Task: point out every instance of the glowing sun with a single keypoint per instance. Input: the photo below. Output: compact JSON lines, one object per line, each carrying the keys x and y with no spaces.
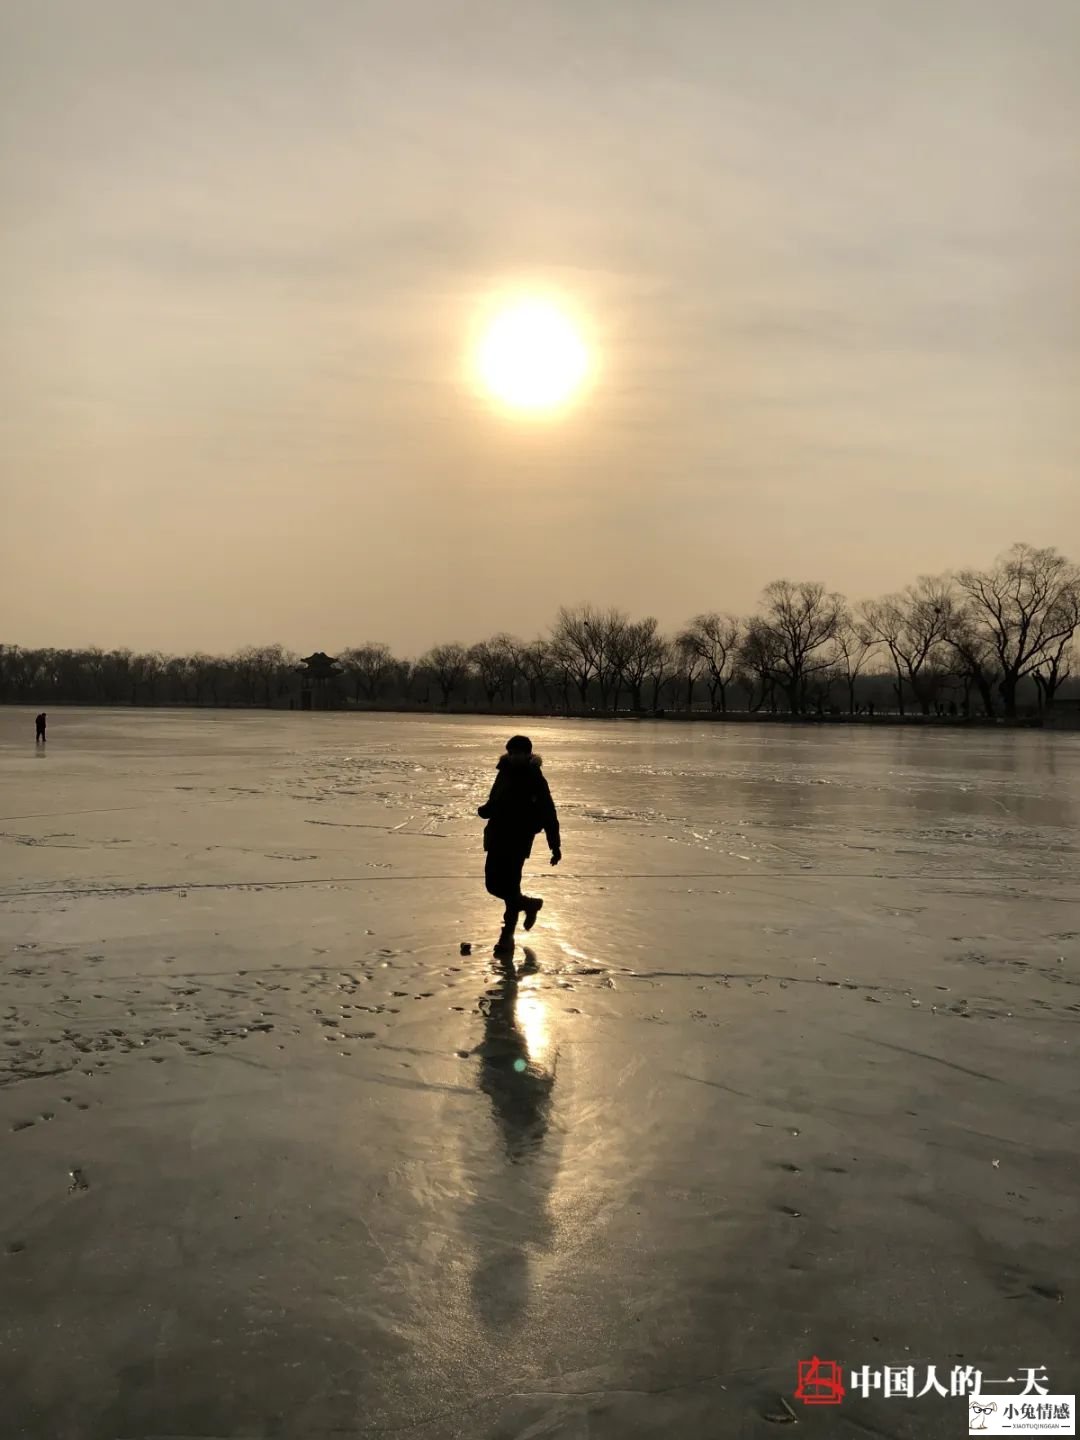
{"x":531,"y":356}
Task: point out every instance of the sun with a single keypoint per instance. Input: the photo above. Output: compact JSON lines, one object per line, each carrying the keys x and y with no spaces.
{"x":531,"y":356}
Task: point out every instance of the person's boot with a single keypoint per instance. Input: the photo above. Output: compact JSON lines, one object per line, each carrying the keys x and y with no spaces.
{"x":532,"y":908}
{"x":505,"y":945}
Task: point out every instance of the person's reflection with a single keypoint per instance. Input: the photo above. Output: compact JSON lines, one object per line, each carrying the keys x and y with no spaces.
{"x":516,"y":1062}
{"x":517,"y":1073}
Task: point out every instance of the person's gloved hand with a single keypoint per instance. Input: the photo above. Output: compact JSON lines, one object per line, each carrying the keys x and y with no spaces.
{"x":556,"y":856}
{"x":484,"y":812}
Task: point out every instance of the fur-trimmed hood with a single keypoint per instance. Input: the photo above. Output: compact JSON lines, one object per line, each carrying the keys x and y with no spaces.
{"x":519,"y":760}
{"x":520,"y":805}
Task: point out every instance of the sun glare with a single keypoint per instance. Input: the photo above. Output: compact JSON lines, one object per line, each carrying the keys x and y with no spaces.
{"x":531,"y":357}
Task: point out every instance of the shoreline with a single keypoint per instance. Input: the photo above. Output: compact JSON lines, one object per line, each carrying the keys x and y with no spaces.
{"x":1068,"y":718}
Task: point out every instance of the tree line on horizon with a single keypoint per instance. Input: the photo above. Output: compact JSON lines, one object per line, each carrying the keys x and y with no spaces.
{"x":994,"y":640}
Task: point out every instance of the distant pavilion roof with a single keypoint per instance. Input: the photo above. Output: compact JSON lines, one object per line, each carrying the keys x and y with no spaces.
{"x":319,"y":664}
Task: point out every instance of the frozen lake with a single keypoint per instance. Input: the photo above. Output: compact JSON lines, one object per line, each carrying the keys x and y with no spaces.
{"x":787,"y":1068}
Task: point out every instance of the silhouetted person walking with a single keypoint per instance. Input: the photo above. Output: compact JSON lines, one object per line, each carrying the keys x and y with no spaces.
{"x":39,"y":724}
{"x":517,"y":810}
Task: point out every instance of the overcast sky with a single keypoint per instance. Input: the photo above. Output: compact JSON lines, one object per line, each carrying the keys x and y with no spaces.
{"x":828,"y":253}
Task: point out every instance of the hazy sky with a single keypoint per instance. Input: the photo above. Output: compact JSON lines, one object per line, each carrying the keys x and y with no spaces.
{"x":828,"y":252}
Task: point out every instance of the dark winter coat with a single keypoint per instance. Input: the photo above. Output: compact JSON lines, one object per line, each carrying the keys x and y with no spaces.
{"x":519,"y":806}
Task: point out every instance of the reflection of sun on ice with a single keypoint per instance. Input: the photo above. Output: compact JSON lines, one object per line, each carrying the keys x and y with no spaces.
{"x":530,"y":1016}
{"x":532,"y":357}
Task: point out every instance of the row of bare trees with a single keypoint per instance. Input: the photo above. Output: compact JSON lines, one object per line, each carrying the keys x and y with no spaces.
{"x":996,"y":639}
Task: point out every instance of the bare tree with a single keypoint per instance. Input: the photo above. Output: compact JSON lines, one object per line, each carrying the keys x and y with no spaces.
{"x":587,"y":642}
{"x":608,"y":631}
{"x":68,"y":673}
{"x":913,"y":625}
{"x":210,"y":674}
{"x":538,"y":671}
{"x":854,"y":646}
{"x":496,"y":663}
{"x":146,"y":675}
{"x":417,"y":679}
{"x":9,"y":661}
{"x":449,"y":664}
{"x":974,"y":660}
{"x":634,"y":646}
{"x":513,"y":652}
{"x":266,"y":670}
{"x":369,"y":666}
{"x":1025,"y":605}
{"x":690,"y":666}
{"x":758,"y":664}
{"x":489,"y":667}
{"x":572,"y":645}
{"x":819,"y":687}
{"x":1055,"y":670}
{"x":116,"y":670}
{"x":405,"y":680}
{"x":714,"y":639}
{"x":179,"y":678}
{"x":800,"y":622}
{"x":663,"y":670}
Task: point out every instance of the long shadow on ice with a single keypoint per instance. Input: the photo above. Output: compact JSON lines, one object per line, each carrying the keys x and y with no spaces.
{"x":517,"y":1070}
{"x":517,"y":1074}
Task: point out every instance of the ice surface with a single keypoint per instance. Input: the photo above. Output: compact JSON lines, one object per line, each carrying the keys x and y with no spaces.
{"x":788,"y":1067}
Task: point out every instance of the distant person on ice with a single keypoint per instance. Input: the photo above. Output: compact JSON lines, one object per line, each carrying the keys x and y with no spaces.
{"x":39,"y":724}
{"x":518,"y":808}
